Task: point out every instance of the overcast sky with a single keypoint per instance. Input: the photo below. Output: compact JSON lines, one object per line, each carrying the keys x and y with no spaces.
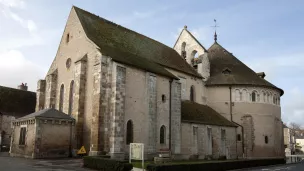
{"x":266,"y":35}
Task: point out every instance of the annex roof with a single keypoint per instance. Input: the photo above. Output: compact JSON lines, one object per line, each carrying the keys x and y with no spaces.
{"x":197,"y":113}
{"x":47,"y":113}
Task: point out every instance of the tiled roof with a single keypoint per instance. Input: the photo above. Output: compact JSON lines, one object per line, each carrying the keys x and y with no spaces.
{"x":202,"y":114}
{"x":240,"y":74}
{"x":47,"y":113}
{"x":126,"y":46}
{"x":16,"y":102}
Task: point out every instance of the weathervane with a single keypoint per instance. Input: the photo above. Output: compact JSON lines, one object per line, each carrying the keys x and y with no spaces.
{"x":215,"y":26}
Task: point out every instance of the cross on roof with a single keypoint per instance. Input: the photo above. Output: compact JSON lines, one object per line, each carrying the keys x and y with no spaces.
{"x":215,"y":26}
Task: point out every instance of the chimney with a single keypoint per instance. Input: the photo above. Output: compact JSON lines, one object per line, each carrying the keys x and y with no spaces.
{"x":23,"y":87}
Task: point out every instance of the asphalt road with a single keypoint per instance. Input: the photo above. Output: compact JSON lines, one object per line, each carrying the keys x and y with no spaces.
{"x":21,"y":164}
{"x":288,"y":167}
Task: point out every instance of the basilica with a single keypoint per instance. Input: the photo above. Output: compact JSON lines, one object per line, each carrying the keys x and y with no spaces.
{"x":123,"y":87}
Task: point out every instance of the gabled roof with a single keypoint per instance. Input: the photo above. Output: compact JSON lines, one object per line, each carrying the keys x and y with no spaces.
{"x":122,"y":44}
{"x":47,"y":113}
{"x":15,"y":102}
{"x":186,"y":30}
{"x":202,"y":114}
{"x":241,"y":74}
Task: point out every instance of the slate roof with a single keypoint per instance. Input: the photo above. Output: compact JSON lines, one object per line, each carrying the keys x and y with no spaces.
{"x":15,"y":102}
{"x":220,"y":59}
{"x":129,"y":47}
{"x":47,"y":113}
{"x":197,"y":113}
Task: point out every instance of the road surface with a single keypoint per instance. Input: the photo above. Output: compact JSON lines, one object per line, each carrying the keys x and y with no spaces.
{"x":288,"y":167}
{"x":21,"y":164}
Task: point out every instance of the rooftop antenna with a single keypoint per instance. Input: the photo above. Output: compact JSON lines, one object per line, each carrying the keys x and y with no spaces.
{"x":215,"y":26}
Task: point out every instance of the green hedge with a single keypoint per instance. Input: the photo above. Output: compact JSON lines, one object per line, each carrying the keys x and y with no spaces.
{"x":215,"y":166}
{"x":106,"y":164}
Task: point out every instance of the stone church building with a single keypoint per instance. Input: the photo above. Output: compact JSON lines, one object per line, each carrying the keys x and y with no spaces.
{"x":123,"y":87}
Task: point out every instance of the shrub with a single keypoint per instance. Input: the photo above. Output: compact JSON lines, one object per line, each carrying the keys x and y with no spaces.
{"x":215,"y":166}
{"x":106,"y":164}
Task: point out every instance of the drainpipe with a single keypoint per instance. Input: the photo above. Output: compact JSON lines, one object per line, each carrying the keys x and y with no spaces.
{"x":230,"y":107}
{"x":170,"y":90}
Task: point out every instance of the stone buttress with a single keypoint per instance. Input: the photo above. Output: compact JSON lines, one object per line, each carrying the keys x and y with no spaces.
{"x":79,"y":98}
{"x":101,"y":120}
{"x":51,"y":88}
{"x":117,"y":112}
{"x":152,"y":113}
{"x":40,"y":95}
{"x":175,"y":117}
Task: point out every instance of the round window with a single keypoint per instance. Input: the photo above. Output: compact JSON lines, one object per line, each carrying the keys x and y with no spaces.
{"x":68,"y":63}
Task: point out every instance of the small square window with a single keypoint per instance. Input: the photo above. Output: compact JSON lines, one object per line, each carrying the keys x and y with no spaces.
{"x":163,"y":98}
{"x":239,"y":137}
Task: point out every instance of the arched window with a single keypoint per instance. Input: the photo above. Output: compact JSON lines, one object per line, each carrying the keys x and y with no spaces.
{"x":194,"y":54}
{"x":237,"y":95}
{"x":71,"y":98}
{"x":244,"y":95}
{"x":268,"y":97}
{"x":253,"y":96}
{"x":61,"y":98}
{"x":192,"y":93}
{"x":274,"y":99}
{"x":266,"y":139}
{"x":162,"y":135}
{"x":265,"y":97}
{"x":183,"y":50}
{"x":129,"y":138}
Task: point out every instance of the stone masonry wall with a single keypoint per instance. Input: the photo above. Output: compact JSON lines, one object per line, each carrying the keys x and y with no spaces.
{"x":40,"y":100}
{"x":51,"y":88}
{"x":118,"y":112}
{"x":79,"y":98}
{"x":188,"y":149}
{"x":152,"y":115}
{"x":175,"y":117}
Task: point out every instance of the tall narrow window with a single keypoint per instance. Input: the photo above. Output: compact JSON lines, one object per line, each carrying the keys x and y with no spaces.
{"x":162,"y":135}
{"x":71,"y":97}
{"x":61,"y":98}
{"x":68,"y":38}
{"x":183,"y":50}
{"x":265,"y":96}
{"x":129,"y":132}
{"x":22,"y":136}
{"x":192,"y":93}
{"x":253,"y":96}
{"x":266,"y":139}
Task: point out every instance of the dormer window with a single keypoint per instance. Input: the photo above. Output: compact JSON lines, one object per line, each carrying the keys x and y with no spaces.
{"x":226,"y":71}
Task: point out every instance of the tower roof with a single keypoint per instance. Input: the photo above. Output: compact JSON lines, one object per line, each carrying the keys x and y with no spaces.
{"x":226,"y":69}
{"x":127,"y":46}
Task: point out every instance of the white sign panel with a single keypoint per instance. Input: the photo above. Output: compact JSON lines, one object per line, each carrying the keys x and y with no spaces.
{"x":136,"y":151}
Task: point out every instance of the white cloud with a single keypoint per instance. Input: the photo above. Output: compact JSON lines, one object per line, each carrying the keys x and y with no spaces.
{"x":15,"y":68}
{"x":13,"y":3}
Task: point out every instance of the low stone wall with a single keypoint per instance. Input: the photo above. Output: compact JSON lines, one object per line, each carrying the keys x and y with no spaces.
{"x":216,"y":165}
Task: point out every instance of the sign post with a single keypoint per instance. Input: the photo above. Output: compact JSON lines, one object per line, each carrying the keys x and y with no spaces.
{"x":137,"y":152}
